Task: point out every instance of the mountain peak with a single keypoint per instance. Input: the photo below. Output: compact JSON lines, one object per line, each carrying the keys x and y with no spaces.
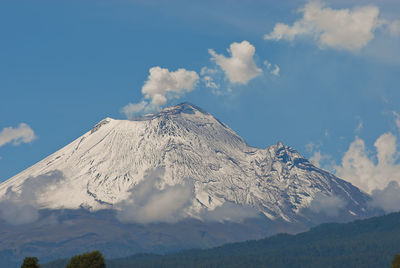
{"x":184,"y":107}
{"x":101,"y":123}
{"x":181,"y":108}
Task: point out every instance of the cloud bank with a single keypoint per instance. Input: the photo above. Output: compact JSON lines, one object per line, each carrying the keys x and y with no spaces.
{"x":229,"y":211}
{"x":360,"y":168}
{"x":342,"y":29}
{"x":22,"y":134}
{"x":15,"y":210}
{"x":240,"y":67}
{"x":388,"y":198}
{"x":376,"y":172}
{"x":329,"y":205}
{"x":162,"y":85}
{"x":22,"y":207}
{"x":149,"y":202}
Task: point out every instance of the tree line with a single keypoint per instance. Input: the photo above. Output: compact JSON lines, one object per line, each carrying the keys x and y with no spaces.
{"x":92,"y":259}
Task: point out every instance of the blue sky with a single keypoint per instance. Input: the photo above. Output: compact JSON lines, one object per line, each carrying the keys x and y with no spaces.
{"x":65,"y":65}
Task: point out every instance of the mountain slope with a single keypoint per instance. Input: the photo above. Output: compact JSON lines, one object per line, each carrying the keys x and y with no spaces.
{"x":99,"y":169}
{"x":165,"y":182}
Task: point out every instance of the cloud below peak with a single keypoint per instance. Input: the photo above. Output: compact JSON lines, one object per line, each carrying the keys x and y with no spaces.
{"x":330,"y":205}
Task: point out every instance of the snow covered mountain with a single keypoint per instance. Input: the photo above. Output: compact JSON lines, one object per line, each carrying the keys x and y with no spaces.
{"x":101,"y":168}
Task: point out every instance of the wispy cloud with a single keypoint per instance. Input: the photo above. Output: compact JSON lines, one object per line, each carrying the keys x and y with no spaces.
{"x":318,"y":158}
{"x":394,"y":28}
{"x":396,"y":119}
{"x":359,"y":126}
{"x":211,"y":77}
{"x":132,"y":109}
{"x":343,"y":29}
{"x":21,"y":134}
{"x":274,"y":70}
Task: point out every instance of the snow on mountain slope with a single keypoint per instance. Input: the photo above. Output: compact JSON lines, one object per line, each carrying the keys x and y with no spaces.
{"x":102,"y":166}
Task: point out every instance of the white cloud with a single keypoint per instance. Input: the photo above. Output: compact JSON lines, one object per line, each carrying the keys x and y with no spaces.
{"x":396,"y":119}
{"x":284,"y":31}
{"x":394,"y":28}
{"x":160,"y":86}
{"x":162,"y":82}
{"x":375,"y":172}
{"x":329,"y":205}
{"x":360,"y":168}
{"x":132,"y":109}
{"x":388,"y":198}
{"x":333,"y":28}
{"x":240,"y":67}
{"x":317,"y":157}
{"x":208,"y":71}
{"x":150,"y":202}
{"x":22,"y":134}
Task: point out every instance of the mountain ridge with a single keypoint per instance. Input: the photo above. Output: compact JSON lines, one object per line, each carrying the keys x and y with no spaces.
{"x":100,"y":168}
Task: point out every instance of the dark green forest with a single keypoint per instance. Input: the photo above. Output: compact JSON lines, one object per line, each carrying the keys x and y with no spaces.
{"x":364,"y":243}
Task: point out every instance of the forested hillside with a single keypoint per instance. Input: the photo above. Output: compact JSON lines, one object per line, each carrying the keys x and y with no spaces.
{"x":363,"y":243}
